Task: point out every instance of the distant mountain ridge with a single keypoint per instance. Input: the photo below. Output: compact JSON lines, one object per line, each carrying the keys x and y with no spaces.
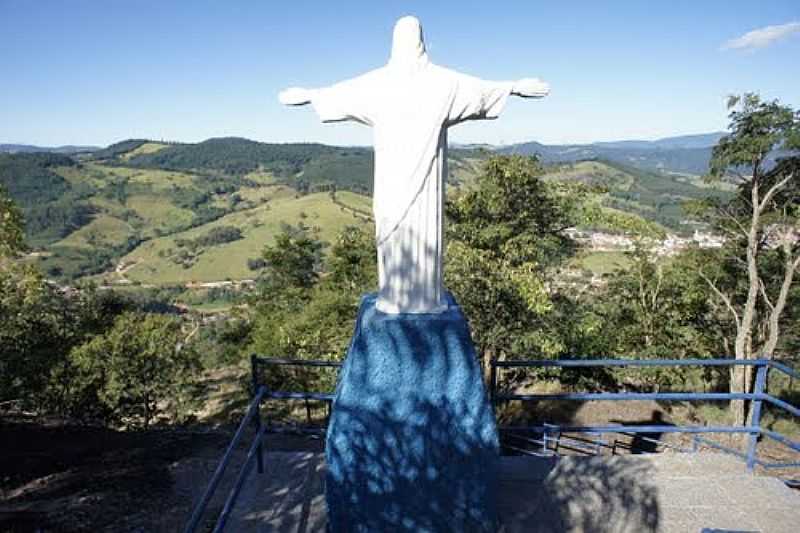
{"x":29,"y":148}
{"x":685,"y":154}
{"x":699,"y":140}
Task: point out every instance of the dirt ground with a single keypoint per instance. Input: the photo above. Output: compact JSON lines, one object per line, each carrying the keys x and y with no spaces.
{"x":57,"y":478}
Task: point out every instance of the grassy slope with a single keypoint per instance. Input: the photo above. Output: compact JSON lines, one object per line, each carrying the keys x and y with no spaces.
{"x":645,"y":194}
{"x":259,"y":226}
{"x":602,"y":262}
{"x":104,"y":230}
{"x":593,"y":173}
{"x":146,"y":148}
{"x":149,"y":210}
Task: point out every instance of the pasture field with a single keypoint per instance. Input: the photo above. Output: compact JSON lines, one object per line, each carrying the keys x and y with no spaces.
{"x":157,"y":258}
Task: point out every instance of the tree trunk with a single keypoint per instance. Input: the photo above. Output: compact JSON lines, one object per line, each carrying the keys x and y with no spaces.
{"x":744,"y":333}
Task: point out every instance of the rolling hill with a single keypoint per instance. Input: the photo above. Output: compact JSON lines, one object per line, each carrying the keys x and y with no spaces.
{"x":688,"y":154}
{"x":651,"y":195}
{"x":152,"y":212}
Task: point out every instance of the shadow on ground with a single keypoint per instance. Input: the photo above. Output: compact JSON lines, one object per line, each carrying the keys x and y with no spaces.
{"x":578,"y":494}
{"x":73,"y":478}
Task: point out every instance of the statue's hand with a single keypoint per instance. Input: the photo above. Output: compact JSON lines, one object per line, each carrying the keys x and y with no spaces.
{"x":295,"y":96}
{"x":531,"y":88}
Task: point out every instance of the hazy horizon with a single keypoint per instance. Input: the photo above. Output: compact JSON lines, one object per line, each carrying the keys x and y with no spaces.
{"x":452,"y":143}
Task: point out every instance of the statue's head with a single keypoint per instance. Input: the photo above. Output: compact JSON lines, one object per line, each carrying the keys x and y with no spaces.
{"x":408,"y":45}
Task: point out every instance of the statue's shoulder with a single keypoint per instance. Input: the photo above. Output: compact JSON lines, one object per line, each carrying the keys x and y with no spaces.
{"x":444,"y":74}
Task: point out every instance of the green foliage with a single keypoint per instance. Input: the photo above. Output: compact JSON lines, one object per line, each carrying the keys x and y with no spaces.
{"x":39,"y":327}
{"x":11,"y":227}
{"x":654,"y":310}
{"x":504,"y":235}
{"x":219,"y":235}
{"x":295,"y":258}
{"x":138,"y":369}
{"x":306,"y":309}
{"x":52,"y":208}
{"x":29,"y":178}
{"x":757,"y":129}
{"x":353,"y":262}
{"x":322,"y":166}
{"x":117,"y":149}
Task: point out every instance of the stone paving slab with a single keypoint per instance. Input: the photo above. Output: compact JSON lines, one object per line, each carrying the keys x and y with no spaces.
{"x":665,"y":493}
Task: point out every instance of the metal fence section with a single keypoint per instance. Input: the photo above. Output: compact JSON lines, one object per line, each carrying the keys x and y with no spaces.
{"x":757,"y":397}
{"x":255,"y":451}
{"x":553,"y":436}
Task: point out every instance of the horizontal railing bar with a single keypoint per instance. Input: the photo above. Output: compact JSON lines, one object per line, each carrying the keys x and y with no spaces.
{"x":634,"y":396}
{"x":643,"y":429}
{"x":779,"y":465}
{"x":283,"y":395}
{"x":782,"y":404}
{"x":786,"y":369}
{"x":289,"y":430}
{"x":270,"y":361}
{"x":726,"y":449}
{"x":786,"y":441}
{"x":543,"y":453}
{"x":223,"y":463}
{"x":237,"y":487}
{"x":538,"y":429}
{"x":568,"y":363}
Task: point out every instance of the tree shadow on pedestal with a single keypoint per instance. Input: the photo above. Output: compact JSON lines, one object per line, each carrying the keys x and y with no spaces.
{"x":411,"y":467}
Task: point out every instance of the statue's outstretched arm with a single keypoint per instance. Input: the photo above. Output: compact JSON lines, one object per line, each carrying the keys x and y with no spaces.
{"x":296,"y":96}
{"x":530,"y":88}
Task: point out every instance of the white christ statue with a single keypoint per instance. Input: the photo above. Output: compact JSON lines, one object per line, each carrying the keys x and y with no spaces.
{"x":410,"y":103}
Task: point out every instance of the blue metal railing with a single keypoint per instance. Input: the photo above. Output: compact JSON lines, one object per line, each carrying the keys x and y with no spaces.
{"x":757,"y":397}
{"x":256,"y":449}
{"x":754,"y":430}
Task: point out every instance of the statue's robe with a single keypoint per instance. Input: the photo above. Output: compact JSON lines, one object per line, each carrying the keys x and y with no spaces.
{"x":410,"y":107}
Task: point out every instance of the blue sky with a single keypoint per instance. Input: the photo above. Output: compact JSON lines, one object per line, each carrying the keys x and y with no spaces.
{"x":94,"y":72}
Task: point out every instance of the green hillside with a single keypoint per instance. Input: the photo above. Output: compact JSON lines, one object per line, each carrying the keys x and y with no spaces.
{"x":178,"y":259}
{"x":88,"y":214}
{"x":165,"y":213}
{"x":654,"y":196}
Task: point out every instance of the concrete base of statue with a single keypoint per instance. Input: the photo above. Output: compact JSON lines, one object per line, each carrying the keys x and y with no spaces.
{"x":412,"y":442}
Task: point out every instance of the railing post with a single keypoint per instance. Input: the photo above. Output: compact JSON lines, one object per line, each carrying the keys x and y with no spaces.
{"x":755,"y":421}
{"x":492,"y":380}
{"x":257,"y":417}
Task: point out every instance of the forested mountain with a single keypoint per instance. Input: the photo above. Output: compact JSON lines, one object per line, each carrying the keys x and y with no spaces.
{"x":302,"y":164}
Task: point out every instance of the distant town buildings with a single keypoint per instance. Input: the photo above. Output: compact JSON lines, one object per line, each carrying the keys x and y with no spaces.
{"x":598,"y":241}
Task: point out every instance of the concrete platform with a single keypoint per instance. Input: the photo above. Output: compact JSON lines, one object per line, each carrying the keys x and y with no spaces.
{"x":703,"y":492}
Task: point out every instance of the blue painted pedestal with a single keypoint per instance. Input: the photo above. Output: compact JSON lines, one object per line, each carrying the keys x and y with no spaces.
{"x":412,"y":442}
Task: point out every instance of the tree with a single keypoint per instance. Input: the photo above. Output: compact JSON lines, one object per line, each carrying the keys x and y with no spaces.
{"x":304,"y":313}
{"x":505,"y":234}
{"x":12,"y":229}
{"x":295,"y":258}
{"x":137,"y":369}
{"x":353,"y":261}
{"x":656,"y":309}
{"x":754,"y":273}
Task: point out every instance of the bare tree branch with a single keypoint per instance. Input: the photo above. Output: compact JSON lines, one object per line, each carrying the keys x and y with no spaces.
{"x":764,"y":294}
{"x":773,"y":190}
{"x":791,"y":266}
{"x":722,"y":297}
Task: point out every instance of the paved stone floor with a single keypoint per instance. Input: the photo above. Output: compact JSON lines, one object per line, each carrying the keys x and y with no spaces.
{"x":702,"y":492}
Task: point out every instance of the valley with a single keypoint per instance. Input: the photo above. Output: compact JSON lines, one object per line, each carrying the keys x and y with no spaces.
{"x":150,"y":213}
